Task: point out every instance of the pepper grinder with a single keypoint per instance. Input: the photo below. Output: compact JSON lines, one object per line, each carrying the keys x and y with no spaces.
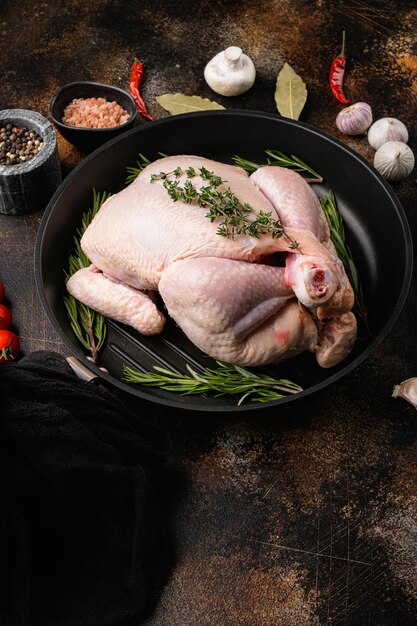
{"x":27,"y":187}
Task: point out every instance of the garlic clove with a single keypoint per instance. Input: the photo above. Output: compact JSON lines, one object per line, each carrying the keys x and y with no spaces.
{"x":407,"y":390}
{"x":387,"y":129}
{"x":354,"y":119}
{"x":394,"y":160}
{"x":231,"y":72}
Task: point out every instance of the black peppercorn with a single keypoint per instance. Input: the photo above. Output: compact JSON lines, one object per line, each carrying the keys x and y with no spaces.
{"x":18,"y":145}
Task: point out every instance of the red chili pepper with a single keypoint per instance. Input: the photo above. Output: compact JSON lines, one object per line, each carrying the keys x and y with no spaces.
{"x":136,"y":77}
{"x":337,"y":72}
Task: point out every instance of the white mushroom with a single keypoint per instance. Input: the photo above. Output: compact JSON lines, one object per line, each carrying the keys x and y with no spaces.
{"x":230,"y":72}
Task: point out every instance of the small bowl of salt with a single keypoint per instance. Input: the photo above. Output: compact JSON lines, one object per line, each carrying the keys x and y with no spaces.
{"x":89,"y":114}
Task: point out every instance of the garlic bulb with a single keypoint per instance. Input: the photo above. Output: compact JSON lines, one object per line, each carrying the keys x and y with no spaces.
{"x":394,"y":160}
{"x":407,"y":390}
{"x":230,"y":72}
{"x":387,"y":129}
{"x":354,"y":119}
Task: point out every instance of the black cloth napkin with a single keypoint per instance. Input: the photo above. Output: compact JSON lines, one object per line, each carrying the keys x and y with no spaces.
{"x":82,"y":536}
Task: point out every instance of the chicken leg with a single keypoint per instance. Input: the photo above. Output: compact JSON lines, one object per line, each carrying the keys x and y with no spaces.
{"x":235,"y":311}
{"x":317,"y":275}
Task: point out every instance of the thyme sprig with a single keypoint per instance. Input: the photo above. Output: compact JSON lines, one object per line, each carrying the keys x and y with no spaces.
{"x":221,"y":204}
{"x":276,"y":157}
{"x":88,"y":325}
{"x":226,"y":379}
{"x":337,"y":235}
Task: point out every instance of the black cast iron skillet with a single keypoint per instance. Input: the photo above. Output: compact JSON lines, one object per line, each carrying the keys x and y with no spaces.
{"x":376,"y":228}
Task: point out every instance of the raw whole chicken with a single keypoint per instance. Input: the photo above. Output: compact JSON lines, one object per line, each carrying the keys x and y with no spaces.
{"x":241,"y":299}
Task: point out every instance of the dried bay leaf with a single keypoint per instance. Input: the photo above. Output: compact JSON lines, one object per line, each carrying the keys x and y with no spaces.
{"x":290,"y":93}
{"x":177,"y":103}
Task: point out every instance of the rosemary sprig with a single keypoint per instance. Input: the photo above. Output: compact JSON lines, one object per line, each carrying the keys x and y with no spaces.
{"x":221,"y":204}
{"x":337,"y":235}
{"x":133,"y":172}
{"x":142,"y":162}
{"x":275,"y":157}
{"x":226,"y":379}
{"x":88,"y":325}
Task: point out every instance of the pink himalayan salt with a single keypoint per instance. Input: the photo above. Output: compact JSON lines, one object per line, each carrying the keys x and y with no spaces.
{"x":94,"y":113}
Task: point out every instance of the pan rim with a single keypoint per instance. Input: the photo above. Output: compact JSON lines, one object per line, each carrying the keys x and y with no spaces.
{"x":181,"y":401}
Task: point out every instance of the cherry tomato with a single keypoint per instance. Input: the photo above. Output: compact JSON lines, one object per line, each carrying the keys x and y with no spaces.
{"x":9,"y":346}
{"x":5,"y":317}
{"x":1,"y":291}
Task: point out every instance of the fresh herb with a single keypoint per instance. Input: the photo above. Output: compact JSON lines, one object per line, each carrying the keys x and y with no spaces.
{"x":337,"y":235}
{"x":290,"y":93}
{"x":133,"y":172}
{"x":88,"y":325}
{"x":178,"y":103}
{"x":275,"y":157}
{"x":221,"y":204}
{"x":226,"y":379}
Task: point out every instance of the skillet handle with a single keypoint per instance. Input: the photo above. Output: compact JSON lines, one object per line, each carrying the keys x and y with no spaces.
{"x":81,"y":370}
{"x":84,"y":373}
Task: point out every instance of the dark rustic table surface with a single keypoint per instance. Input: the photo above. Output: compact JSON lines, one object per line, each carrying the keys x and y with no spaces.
{"x":307,"y":515}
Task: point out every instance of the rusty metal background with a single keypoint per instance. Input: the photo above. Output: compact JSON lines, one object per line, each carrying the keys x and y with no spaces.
{"x":307,"y":516}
